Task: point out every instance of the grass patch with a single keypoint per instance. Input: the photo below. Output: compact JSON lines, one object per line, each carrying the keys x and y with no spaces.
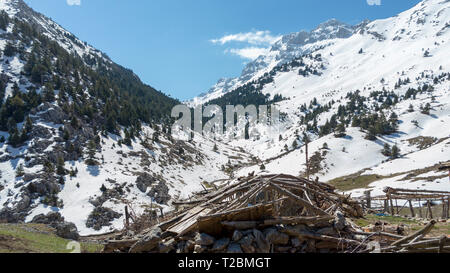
{"x":35,"y":238}
{"x":357,"y":181}
{"x":413,"y":225}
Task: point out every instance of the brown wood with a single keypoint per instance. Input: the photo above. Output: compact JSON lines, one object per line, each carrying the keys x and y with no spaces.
{"x":297,"y":220}
{"x":299,"y":200}
{"x":430,"y":212}
{"x":423,"y":232}
{"x":411,"y":208}
{"x":127,"y":218}
{"x":112,"y":245}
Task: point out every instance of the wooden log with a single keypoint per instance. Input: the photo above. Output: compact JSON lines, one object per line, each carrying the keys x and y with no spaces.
{"x":302,"y":234}
{"x":420,"y":208}
{"x":411,"y":208}
{"x":391,"y":204}
{"x":127,"y":218}
{"x":423,"y":232}
{"x":240,"y":225}
{"x":113,"y":245}
{"x":165,"y":225}
{"x":297,"y":220}
{"x":448,"y":208}
{"x":368,"y":200}
{"x":299,"y":200}
{"x":430,"y":212}
{"x":444,"y":207}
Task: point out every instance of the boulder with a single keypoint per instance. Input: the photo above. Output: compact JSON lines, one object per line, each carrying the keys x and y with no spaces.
{"x":149,"y":242}
{"x":234,"y":248}
{"x":52,"y":218}
{"x":144,"y":181}
{"x":273,"y":236}
{"x":262,"y":245}
{"x":67,"y":231}
{"x":246,"y":244}
{"x":220,"y":245}
{"x":237,"y":235}
{"x":204,"y":239}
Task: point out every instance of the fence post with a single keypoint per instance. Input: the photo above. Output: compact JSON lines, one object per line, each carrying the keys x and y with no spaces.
{"x":127,"y":217}
{"x":429,"y":210}
{"x":368,"y":199}
{"x":411,"y":208}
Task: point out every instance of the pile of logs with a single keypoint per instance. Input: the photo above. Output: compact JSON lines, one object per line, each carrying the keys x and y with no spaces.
{"x":263,"y":214}
{"x":414,"y":243}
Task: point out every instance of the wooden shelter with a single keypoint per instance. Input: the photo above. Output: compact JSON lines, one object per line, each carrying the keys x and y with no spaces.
{"x":256,"y":199}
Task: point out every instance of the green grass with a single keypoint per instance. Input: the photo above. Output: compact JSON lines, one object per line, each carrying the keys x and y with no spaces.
{"x":413,"y":225}
{"x":34,"y":238}
{"x":351,"y":182}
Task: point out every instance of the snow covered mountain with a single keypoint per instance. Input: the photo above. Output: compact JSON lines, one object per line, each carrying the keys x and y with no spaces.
{"x":287,"y":48}
{"x":386,"y":85}
{"x":83,"y":137}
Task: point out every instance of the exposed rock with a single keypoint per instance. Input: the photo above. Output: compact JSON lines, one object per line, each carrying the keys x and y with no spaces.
{"x":149,"y":242}
{"x":339,"y":221}
{"x":274,"y":237}
{"x":296,"y":242}
{"x":50,"y":219}
{"x":160,"y":193}
{"x":200,"y":249}
{"x":101,"y":217}
{"x":11,"y":216}
{"x":262,"y":245}
{"x":204,"y":239}
{"x":144,"y":181}
{"x":24,"y":203}
{"x":221,"y":244}
{"x":166,"y":247}
{"x":246,"y":244}
{"x":237,"y":235}
{"x":234,"y":248}
{"x":67,"y":231}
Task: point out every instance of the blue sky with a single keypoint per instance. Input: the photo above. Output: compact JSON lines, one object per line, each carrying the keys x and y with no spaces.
{"x":182,"y":47}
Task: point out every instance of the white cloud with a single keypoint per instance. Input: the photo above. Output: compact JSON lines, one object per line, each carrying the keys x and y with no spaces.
{"x":374,"y":2}
{"x":74,"y":2}
{"x":251,"y":44}
{"x":253,"y":38}
{"x":249,"y":53}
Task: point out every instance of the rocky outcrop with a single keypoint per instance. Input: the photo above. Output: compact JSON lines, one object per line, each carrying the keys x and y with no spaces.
{"x":160,"y":193}
{"x":149,"y":242}
{"x":101,"y":217}
{"x":144,"y":181}
{"x":64,"y":229}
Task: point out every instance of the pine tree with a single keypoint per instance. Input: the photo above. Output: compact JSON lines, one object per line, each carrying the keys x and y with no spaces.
{"x":340,"y":130}
{"x":263,"y":167}
{"x":395,"y":152}
{"x":91,"y":151}
{"x":20,"y":171}
{"x":386,"y":150}
{"x":371,"y":134}
{"x":49,"y":169}
{"x":60,"y":169}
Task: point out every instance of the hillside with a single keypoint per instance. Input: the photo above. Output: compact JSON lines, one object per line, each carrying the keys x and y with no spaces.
{"x":83,"y":136}
{"x":388,"y":83}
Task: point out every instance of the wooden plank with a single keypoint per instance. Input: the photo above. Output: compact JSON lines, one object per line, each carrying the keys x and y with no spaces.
{"x":188,"y":222}
{"x":299,"y":200}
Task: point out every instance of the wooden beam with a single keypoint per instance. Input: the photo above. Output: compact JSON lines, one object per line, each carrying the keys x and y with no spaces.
{"x":298,"y":200}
